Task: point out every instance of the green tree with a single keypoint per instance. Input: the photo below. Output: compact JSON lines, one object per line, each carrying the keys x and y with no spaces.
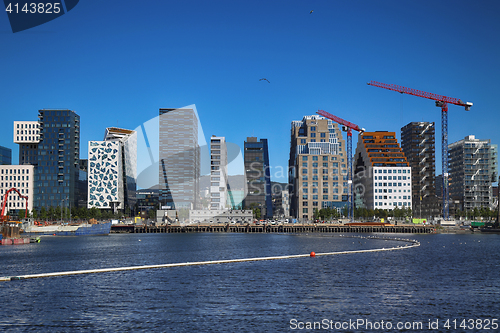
{"x":151,"y":214}
{"x":43,"y":214}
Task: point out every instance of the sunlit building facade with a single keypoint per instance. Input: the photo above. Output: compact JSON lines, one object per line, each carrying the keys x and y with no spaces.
{"x":317,"y":167}
{"x":382,"y":175}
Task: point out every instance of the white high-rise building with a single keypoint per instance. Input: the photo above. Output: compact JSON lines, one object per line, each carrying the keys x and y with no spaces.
{"x":473,"y":166}
{"x":26,"y":132}
{"x":20,"y":177}
{"x":112,"y":170}
{"x":218,"y":175}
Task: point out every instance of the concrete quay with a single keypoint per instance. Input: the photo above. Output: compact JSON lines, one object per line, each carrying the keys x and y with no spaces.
{"x":268,"y":228}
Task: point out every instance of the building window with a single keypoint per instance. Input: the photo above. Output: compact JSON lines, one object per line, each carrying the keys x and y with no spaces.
{"x":304,"y":158}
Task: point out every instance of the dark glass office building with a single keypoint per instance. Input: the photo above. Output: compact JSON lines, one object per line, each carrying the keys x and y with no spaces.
{"x":58,"y":180}
{"x":258,"y":177}
{"x":5,"y":156}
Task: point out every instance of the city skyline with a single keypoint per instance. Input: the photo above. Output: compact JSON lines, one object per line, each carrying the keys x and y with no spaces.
{"x":125,"y":71}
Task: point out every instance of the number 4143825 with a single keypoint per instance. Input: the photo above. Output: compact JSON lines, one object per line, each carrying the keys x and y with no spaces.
{"x":33,"y":8}
{"x":478,"y":324}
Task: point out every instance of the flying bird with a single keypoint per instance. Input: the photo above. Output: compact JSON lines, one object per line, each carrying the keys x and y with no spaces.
{"x":264,"y":80}
{"x":311,"y":11}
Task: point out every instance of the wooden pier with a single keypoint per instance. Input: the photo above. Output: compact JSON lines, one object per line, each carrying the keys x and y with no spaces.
{"x":268,"y":228}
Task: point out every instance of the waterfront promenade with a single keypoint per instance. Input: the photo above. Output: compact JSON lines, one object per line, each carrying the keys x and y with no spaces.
{"x":269,"y":228}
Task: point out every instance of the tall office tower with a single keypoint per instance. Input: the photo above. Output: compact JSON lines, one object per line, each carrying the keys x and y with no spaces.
{"x":218,"y":174}
{"x":112,"y":170}
{"x":58,"y":180}
{"x":258,"y":176}
{"x":281,"y":203}
{"x":382,"y":175}
{"x":317,"y":167}
{"x":128,"y":146}
{"x":27,"y":136}
{"x":21,"y":178}
{"x":5,"y":156}
{"x":473,"y":168}
{"x":417,"y":143}
{"x":179,"y":159}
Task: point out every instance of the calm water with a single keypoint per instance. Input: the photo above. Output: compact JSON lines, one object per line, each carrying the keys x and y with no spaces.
{"x":447,"y":277}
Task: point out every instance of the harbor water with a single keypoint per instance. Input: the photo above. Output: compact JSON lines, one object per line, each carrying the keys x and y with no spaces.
{"x":446,"y":282}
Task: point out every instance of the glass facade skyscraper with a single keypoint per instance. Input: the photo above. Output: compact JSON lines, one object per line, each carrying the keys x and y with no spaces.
{"x":58,"y":180}
{"x":5,"y":156}
{"x":179,"y":159}
{"x":258,"y":177}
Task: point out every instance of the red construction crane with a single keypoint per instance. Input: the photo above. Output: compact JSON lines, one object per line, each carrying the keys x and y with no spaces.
{"x":348,"y":127}
{"x":442,"y":102}
{"x":2,"y":216}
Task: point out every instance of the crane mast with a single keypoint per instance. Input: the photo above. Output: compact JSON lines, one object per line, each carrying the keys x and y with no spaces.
{"x":348,"y":128}
{"x":442,"y":102}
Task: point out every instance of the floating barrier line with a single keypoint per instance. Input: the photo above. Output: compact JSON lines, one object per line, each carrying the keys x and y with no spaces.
{"x":211,"y":262}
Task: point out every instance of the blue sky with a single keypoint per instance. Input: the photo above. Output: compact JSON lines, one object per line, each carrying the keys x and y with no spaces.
{"x":117,"y":62}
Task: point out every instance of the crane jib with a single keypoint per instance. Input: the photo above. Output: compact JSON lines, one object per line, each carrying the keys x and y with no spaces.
{"x":419,"y":93}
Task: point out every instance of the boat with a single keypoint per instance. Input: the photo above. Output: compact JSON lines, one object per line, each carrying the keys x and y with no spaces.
{"x":82,"y":229}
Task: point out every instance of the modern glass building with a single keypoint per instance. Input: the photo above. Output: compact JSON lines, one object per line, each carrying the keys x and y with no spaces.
{"x":258,"y":176}
{"x":5,"y":156}
{"x":58,"y":180}
{"x":179,"y":159}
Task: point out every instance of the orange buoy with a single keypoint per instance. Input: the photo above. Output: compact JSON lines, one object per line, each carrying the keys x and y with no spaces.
{"x":313,"y":254}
